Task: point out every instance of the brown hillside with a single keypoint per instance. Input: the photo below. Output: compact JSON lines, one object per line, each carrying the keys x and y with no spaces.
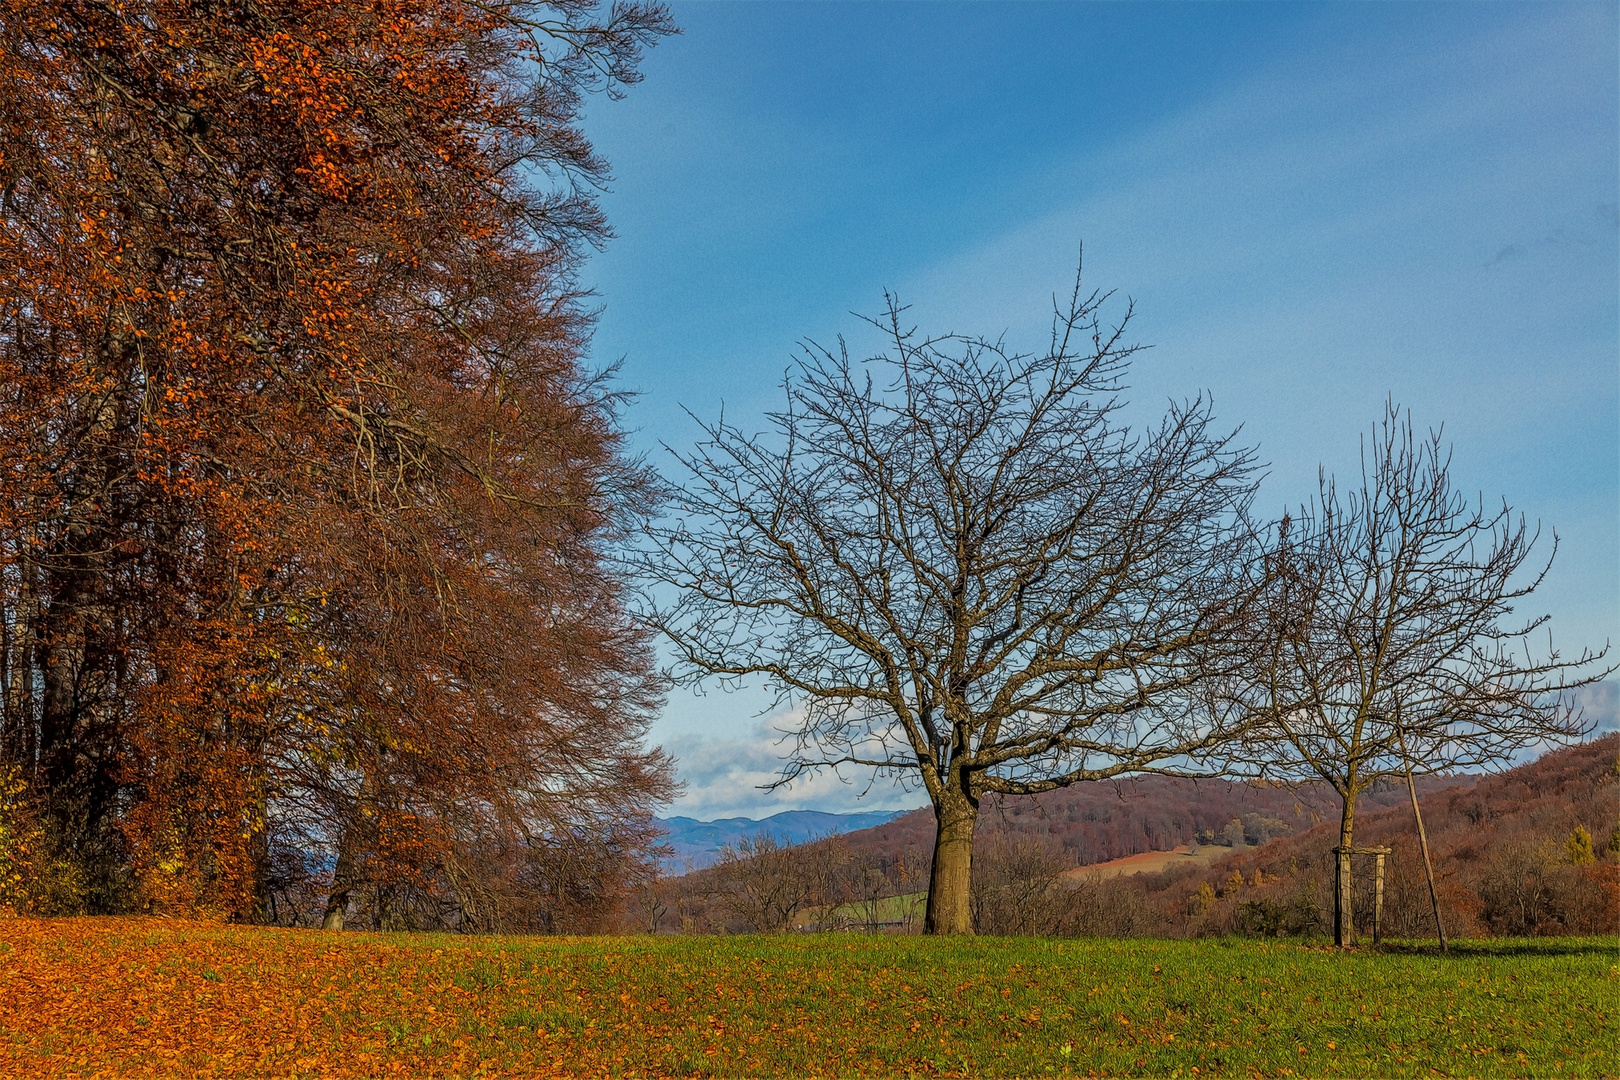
{"x":1500,"y":843}
{"x":1500,"y":850}
{"x":1099,"y":822}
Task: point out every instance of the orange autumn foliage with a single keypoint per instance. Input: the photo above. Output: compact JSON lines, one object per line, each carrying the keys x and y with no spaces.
{"x":306,"y":495}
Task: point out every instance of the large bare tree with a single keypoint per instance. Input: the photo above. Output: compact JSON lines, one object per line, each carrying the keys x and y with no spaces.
{"x":960,"y":564}
{"x":1388,"y":639}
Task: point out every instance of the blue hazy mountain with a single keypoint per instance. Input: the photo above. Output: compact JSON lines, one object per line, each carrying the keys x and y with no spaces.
{"x":697,"y":843}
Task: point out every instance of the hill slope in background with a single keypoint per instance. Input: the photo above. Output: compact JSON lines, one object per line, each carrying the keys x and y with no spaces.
{"x":1505,"y":859}
{"x":1500,"y":845}
{"x":697,"y":844}
{"x":1099,"y":822}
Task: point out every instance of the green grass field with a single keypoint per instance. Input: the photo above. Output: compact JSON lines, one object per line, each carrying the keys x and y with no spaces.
{"x":909,"y":907}
{"x":128,"y":997}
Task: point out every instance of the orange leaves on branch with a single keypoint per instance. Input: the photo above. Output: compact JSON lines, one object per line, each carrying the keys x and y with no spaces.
{"x":302,"y":464}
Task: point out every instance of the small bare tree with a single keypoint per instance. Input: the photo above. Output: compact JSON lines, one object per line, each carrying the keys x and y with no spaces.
{"x":763,"y":883}
{"x":1018,"y":887}
{"x":966,"y":569}
{"x":1384,"y":644}
{"x":866,"y":886}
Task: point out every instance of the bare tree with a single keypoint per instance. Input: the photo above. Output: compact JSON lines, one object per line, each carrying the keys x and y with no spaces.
{"x":1384,"y":643}
{"x":866,"y":886}
{"x":966,"y":568}
{"x":764,"y":883}
{"x":1018,"y":886}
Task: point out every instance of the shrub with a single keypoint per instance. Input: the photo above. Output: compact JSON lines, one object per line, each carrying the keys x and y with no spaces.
{"x":761,"y":882}
{"x":1267,"y":918}
{"x":1258,"y":828}
{"x":1017,"y":887}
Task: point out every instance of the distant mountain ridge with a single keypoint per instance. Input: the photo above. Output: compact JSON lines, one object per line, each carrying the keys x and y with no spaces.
{"x":697,"y":844}
{"x":1090,"y":823}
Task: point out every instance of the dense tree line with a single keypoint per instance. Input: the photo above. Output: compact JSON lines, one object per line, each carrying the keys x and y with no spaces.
{"x":305,"y":494}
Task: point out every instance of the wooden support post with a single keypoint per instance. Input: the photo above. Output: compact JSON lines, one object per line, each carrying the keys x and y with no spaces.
{"x":1344,"y":904}
{"x":1344,"y":900}
{"x":1378,"y":901}
{"x":1423,"y":840}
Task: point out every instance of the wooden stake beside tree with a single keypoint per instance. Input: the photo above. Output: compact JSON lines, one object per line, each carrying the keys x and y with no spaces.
{"x":964,"y":568}
{"x":1423,"y":841}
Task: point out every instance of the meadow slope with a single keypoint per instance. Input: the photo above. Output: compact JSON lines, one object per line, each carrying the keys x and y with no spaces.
{"x":125,"y":997}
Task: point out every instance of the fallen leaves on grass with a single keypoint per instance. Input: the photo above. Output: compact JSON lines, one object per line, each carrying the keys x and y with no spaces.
{"x":130,"y":997}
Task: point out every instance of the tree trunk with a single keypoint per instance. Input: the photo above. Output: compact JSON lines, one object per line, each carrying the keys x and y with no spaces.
{"x":358,"y":838}
{"x":75,"y":769}
{"x":62,"y":663}
{"x":950,"y":881}
{"x":264,"y":901}
{"x":1344,"y":930}
{"x":337,"y":901}
{"x":20,"y":732}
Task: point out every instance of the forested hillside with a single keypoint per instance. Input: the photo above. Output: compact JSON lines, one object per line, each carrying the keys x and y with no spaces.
{"x":1529,"y":851}
{"x":1093,"y":823}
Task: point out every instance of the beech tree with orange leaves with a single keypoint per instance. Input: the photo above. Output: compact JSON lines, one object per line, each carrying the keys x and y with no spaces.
{"x":306,"y":494}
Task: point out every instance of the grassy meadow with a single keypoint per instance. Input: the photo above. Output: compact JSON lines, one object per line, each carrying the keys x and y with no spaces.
{"x":128,"y":997}
{"x":908,"y":908}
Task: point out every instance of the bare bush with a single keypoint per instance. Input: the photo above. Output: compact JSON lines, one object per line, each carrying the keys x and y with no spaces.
{"x":866,"y":884}
{"x":1532,"y":888}
{"x":1108,"y":907}
{"x":1018,"y":886}
{"x":763,"y":883}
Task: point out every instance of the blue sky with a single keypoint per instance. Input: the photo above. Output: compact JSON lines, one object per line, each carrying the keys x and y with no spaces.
{"x":1314,"y":207}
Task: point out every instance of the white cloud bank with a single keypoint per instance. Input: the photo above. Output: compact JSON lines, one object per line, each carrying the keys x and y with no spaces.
{"x":726,"y":776}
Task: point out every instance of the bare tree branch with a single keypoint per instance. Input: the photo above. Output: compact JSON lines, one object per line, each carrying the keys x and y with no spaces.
{"x":1388,"y":611}
{"x":966,"y":569}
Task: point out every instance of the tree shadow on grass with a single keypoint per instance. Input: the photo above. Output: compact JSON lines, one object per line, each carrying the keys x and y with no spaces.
{"x":1475,"y":948}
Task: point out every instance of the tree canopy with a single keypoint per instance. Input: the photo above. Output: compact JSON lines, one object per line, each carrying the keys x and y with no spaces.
{"x":963,"y":566}
{"x":307,"y":491}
